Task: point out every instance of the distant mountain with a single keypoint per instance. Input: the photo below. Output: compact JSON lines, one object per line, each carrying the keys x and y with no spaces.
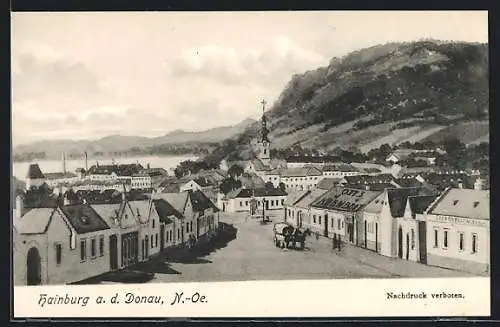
{"x":390,"y":93}
{"x":175,"y":142}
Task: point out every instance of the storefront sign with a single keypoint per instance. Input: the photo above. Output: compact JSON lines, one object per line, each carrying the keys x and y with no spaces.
{"x":460,"y":220}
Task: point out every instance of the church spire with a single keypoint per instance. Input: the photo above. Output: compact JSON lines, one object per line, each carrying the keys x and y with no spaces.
{"x":264,"y":130}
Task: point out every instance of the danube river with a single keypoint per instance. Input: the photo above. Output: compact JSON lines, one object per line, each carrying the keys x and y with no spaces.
{"x":20,"y":169}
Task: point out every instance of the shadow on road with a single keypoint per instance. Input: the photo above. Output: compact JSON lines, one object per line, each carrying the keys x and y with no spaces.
{"x":194,"y":255}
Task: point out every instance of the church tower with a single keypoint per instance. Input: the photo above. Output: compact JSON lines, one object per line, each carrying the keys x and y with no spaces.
{"x":264,"y":145}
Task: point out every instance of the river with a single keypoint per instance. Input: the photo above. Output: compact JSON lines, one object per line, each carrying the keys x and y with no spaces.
{"x":20,"y":169}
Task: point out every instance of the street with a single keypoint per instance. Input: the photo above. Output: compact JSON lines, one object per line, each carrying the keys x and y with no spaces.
{"x":253,"y":256}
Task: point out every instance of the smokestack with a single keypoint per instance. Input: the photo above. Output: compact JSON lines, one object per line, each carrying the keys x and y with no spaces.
{"x":63,"y":163}
{"x":86,"y":162}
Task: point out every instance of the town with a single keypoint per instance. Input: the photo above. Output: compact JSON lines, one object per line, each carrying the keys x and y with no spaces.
{"x":359,"y":219}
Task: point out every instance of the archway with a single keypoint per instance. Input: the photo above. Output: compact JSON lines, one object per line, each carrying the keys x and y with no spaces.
{"x":34,"y":274}
{"x":400,"y":243}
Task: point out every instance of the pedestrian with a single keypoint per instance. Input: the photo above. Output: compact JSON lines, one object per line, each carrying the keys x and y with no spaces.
{"x":339,"y":245}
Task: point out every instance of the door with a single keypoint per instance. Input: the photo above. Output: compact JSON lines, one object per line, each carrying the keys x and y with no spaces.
{"x":326,"y":225}
{"x":366,"y":235}
{"x":33,"y":265}
{"x":162,"y":237}
{"x":376,"y":237}
{"x":422,"y":242}
{"x":350,"y":232}
{"x":267,"y":204}
{"x":400,"y":243}
{"x":407,"y":246}
{"x":146,"y":240}
{"x":113,"y":252}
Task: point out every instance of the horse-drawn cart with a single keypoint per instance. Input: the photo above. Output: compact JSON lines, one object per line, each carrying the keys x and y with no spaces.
{"x":287,"y":236}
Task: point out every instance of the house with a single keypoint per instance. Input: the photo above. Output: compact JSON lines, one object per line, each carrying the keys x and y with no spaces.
{"x":141,"y":180}
{"x":172,"y":184}
{"x":340,"y":170}
{"x":55,"y":179}
{"x":299,"y":179}
{"x":291,"y":199}
{"x":338,"y":213}
{"x":273,"y":176}
{"x":387,"y":218}
{"x":256,"y":166}
{"x":399,"y":155}
{"x":60,"y":245}
{"x":297,"y":212}
{"x":458,"y":230}
{"x":272,"y":201}
{"x":196,"y":184}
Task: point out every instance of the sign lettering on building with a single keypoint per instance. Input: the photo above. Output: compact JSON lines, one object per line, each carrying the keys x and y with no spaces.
{"x":460,"y":220}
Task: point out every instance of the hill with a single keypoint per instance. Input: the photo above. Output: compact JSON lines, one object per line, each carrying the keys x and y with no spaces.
{"x":389,"y":93}
{"x":176,"y":142}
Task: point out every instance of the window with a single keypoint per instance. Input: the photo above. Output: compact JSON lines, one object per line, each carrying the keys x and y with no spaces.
{"x":314,"y":219}
{"x":187,"y":228}
{"x":241,"y":203}
{"x":338,"y":224}
{"x":474,"y":243}
{"x":282,"y":201}
{"x":435,"y":238}
{"x":319,"y":220}
{"x":191,"y":226}
{"x":83,"y":250}
{"x":332,"y":223}
{"x":156,"y":240}
{"x":58,"y":253}
{"x":101,"y":246}
{"x":153,"y":223}
{"x":171,"y":235}
{"x":461,"y":241}
{"x":445,"y":239}
{"x":178,"y":233}
{"x":412,"y":239}
{"x":246,"y":203}
{"x":152,"y":240}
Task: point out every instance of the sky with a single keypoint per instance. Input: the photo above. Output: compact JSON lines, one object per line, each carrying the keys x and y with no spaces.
{"x":89,"y":75}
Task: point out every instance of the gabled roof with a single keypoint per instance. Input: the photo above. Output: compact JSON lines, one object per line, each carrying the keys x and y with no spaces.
{"x":109,"y":212}
{"x":463,"y":203}
{"x":306,"y":201}
{"x":398,"y":198}
{"x":418,"y":204}
{"x":200,"y":201}
{"x":141,"y":209}
{"x":344,"y":199}
{"x":166,"y":210}
{"x":251,"y":181}
{"x":294,"y":197}
{"x":177,"y":200}
{"x":328,"y":183}
{"x":35,"y":221}
{"x":84,"y":218}
{"x":34,"y":172}
{"x":375,"y":206}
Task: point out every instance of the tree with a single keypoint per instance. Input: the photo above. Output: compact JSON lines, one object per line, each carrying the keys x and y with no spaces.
{"x":282,"y":186}
{"x":235,"y":171}
{"x":229,"y":184}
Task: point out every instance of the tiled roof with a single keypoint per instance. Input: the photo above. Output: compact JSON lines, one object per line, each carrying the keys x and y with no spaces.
{"x":375,"y":206}
{"x":120,"y":170}
{"x":166,"y":210}
{"x":200,"y":201}
{"x":344,"y":199}
{"x":312,"y":196}
{"x":343,"y":167}
{"x":301,"y":172}
{"x":398,"y":198}
{"x":313,"y":159}
{"x":368,"y":179}
{"x":35,"y":221}
{"x":52,"y":176}
{"x":84,"y":218}
{"x":34,"y":172}
{"x":294,"y":197}
{"x":418,"y":204}
{"x":141,"y":209}
{"x":178,"y":200}
{"x":328,"y":183}
{"x":408,"y":182}
{"x":251,"y":181}
{"x":463,"y":203}
{"x":260,"y":192}
{"x":109,"y":212}
{"x":259,"y":165}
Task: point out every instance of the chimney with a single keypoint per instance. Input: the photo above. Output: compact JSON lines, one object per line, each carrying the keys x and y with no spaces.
{"x":19,"y":206}
{"x":63,"y":163}
{"x":86,"y":162}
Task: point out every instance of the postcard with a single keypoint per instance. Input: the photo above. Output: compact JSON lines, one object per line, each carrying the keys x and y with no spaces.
{"x":250,"y":164}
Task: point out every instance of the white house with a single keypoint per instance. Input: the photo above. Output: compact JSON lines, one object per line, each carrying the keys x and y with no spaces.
{"x":298,"y":212}
{"x":340,"y":170}
{"x":458,"y":230}
{"x":253,"y":201}
{"x":300,"y":179}
{"x":60,"y":245}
